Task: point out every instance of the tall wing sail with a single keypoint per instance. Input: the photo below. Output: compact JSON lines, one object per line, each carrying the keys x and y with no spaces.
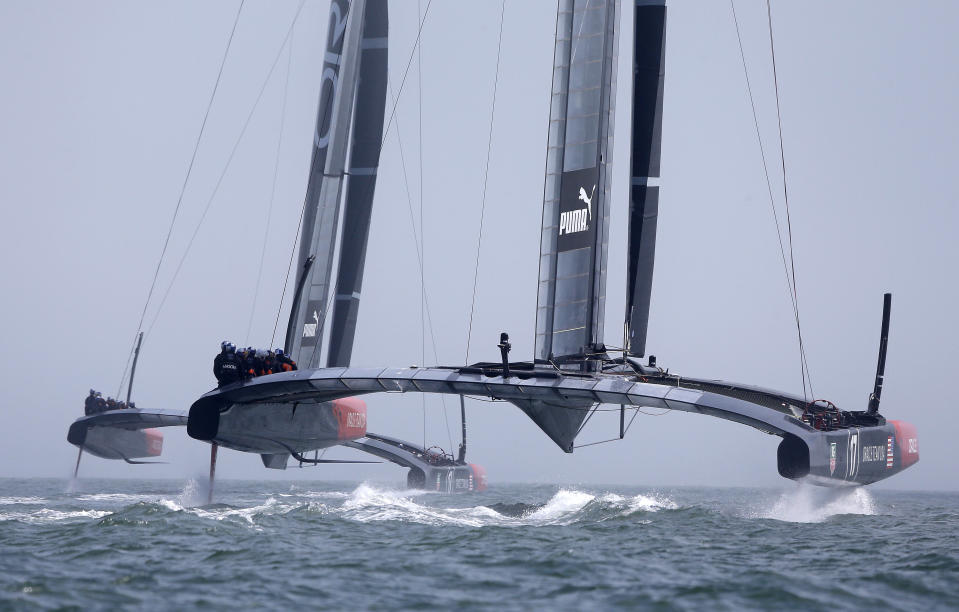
{"x":649,"y":58}
{"x":573,"y":245}
{"x":338,"y":84}
{"x":364,"y":160}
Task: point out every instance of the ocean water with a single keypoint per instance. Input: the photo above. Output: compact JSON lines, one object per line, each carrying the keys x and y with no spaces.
{"x":153,"y":544}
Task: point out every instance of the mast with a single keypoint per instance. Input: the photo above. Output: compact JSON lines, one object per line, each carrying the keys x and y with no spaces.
{"x":327,"y":174}
{"x":133,"y":368}
{"x":366,"y":142}
{"x":573,"y":244}
{"x":649,"y":58}
{"x":876,"y":394}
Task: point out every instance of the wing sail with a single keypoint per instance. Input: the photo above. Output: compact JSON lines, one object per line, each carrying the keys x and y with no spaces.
{"x":327,"y":175}
{"x":364,"y":161}
{"x":649,"y":45}
{"x":573,"y":244}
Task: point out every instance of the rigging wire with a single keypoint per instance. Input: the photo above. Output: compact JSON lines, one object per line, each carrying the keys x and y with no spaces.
{"x":269,"y":213}
{"x":489,"y":149}
{"x":226,"y":167}
{"x":782,"y":157}
{"x":579,"y":32}
{"x":286,"y":281}
{"x":419,"y":260}
{"x":772,"y":203}
{"x":186,"y":179}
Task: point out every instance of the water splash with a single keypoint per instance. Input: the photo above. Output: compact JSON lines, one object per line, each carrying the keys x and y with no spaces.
{"x":810,"y":504}
{"x":194,"y":493}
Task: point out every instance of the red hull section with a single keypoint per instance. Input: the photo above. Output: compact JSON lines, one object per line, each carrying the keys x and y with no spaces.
{"x":907,"y":443}
{"x":351,"y":417}
{"x":154,"y":442}
{"x":479,"y":477}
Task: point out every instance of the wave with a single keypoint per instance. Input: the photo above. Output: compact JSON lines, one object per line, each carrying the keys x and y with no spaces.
{"x":367,"y":503}
{"x":566,"y":506}
{"x":11,"y":501}
{"x":50,"y":515}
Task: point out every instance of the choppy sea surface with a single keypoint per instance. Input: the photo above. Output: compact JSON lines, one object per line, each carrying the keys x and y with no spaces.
{"x":99,"y":544}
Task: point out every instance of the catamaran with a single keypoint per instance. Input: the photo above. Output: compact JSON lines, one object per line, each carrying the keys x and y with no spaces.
{"x":347,"y":143}
{"x":572,"y":373}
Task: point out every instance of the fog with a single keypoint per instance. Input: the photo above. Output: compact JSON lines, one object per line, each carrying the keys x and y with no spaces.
{"x":102,"y":103}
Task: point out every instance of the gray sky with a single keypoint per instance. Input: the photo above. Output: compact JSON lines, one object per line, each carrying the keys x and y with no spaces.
{"x":102,"y":102}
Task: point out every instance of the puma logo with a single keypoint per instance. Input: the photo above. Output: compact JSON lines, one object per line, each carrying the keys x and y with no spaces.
{"x":588,"y":199}
{"x":578,"y":220}
{"x":309,"y":329}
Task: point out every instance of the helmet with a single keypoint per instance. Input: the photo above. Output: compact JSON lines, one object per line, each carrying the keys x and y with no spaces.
{"x":278,"y":352}
{"x":92,"y":392}
{"x":99,"y":394}
{"x":230,"y":347}
{"x":224,"y":345}
{"x":261,"y":353}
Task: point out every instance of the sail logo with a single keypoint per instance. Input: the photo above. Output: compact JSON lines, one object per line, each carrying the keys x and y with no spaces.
{"x":873,"y":453}
{"x":852,"y":456}
{"x":330,"y":78}
{"x":573,"y":221}
{"x":309,"y":329}
{"x":356,"y":420}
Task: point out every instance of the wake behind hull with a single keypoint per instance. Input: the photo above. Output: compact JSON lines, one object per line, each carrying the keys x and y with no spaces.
{"x":426,"y":471}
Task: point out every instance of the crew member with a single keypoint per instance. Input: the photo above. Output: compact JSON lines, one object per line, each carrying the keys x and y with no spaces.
{"x":269,"y":366}
{"x":284,"y":362}
{"x":101,"y":403}
{"x":246,"y":363}
{"x":90,"y":404}
{"x":226,"y":366}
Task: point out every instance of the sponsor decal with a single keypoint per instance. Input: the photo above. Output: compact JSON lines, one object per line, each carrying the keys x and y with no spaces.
{"x":874,"y":453}
{"x":309,"y":329}
{"x":852,"y":456}
{"x":573,"y":221}
{"x":311,"y":326}
{"x":913,"y":445}
{"x":832,"y":457}
{"x":356,"y":419}
{"x":576,"y":229}
{"x":330,"y":78}
{"x":889,"y":454}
